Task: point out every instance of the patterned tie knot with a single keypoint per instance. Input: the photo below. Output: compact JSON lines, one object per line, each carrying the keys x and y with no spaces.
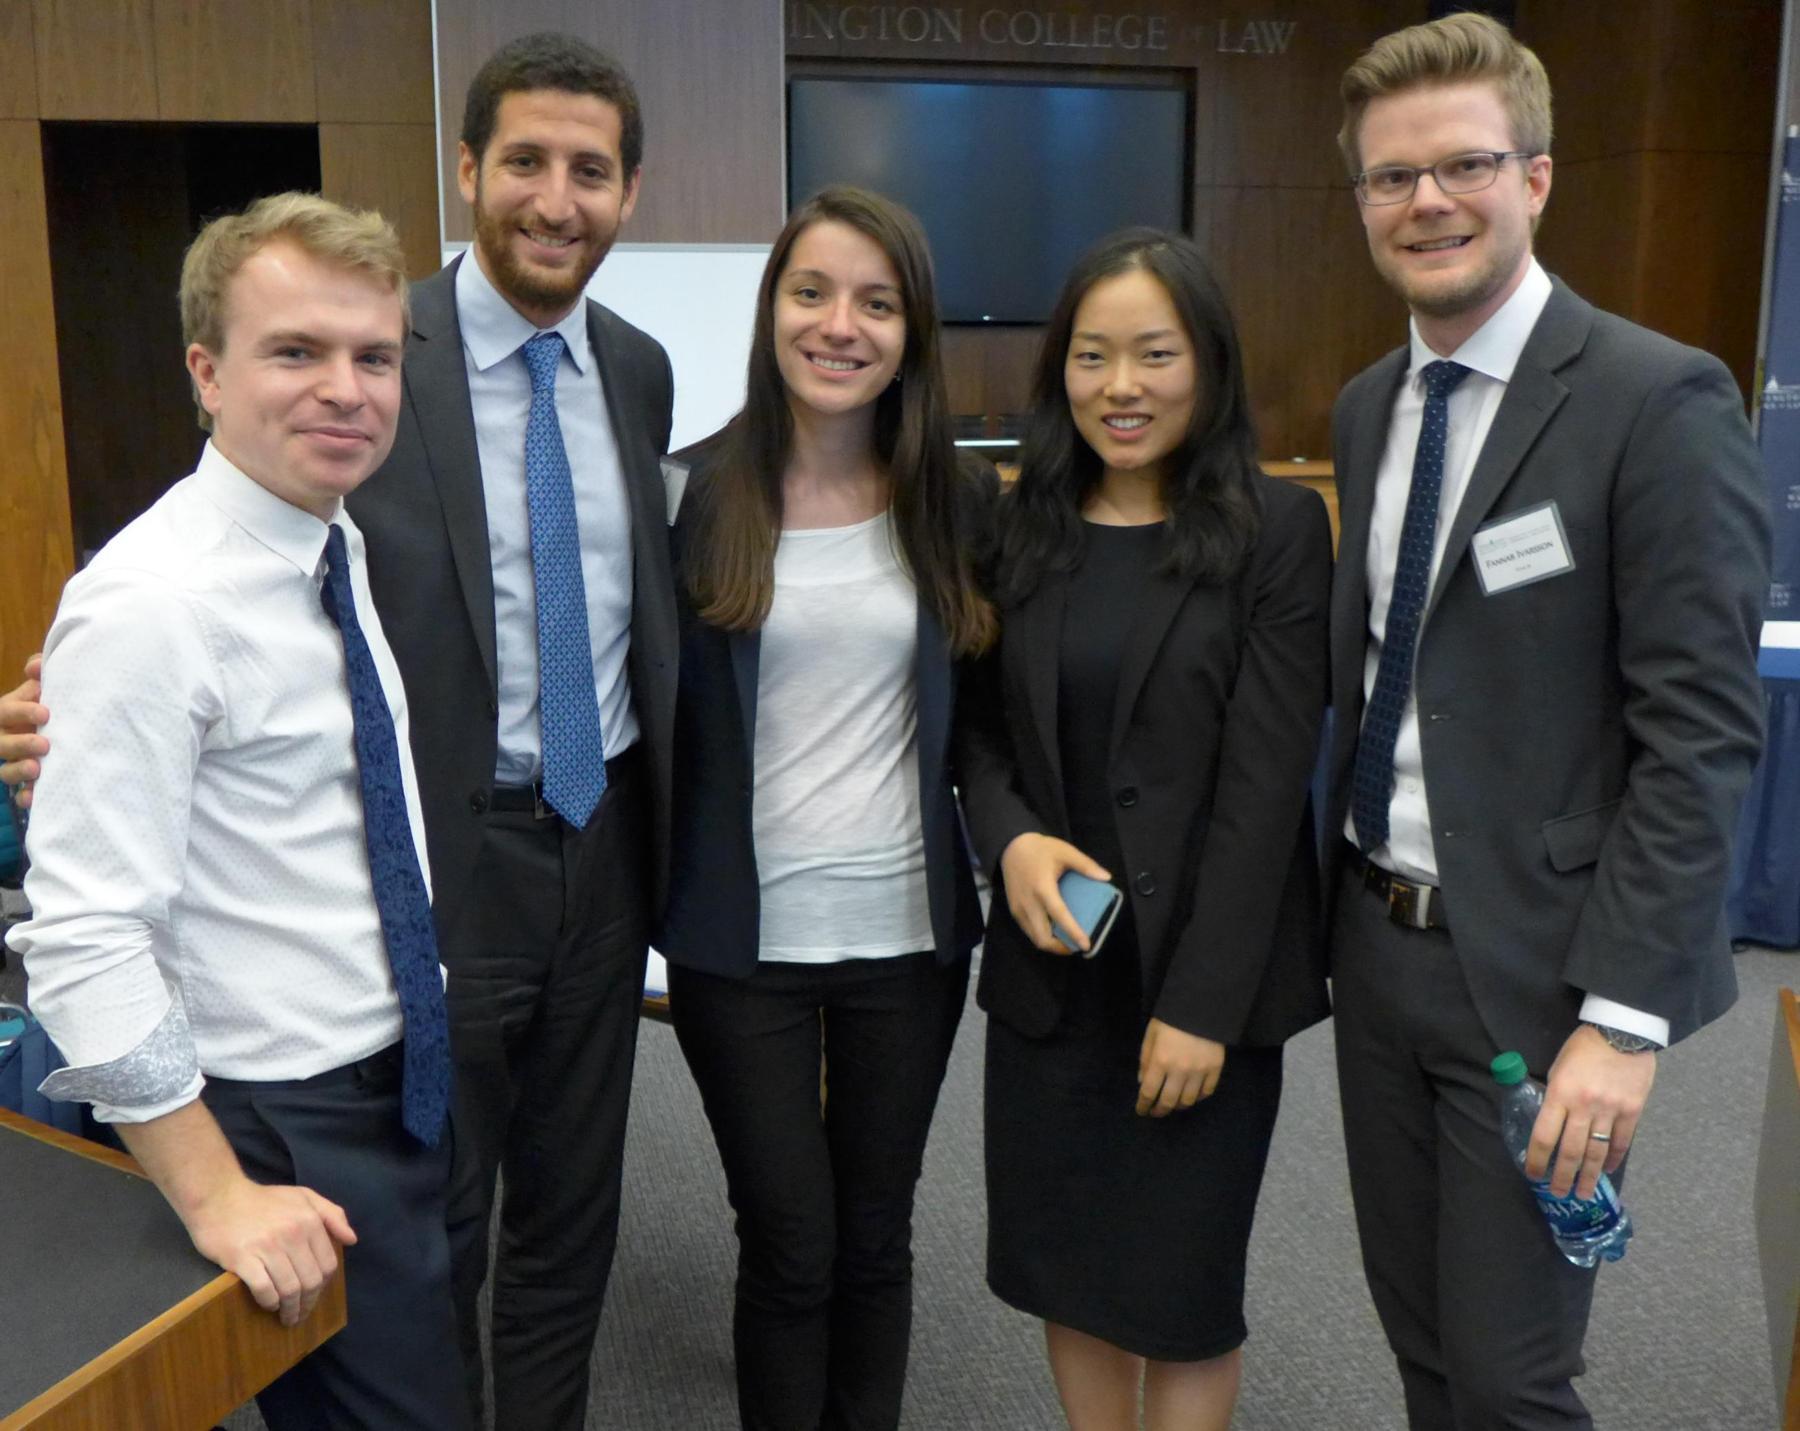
{"x":335,"y":554}
{"x":542,"y":353}
{"x":1440,"y":377}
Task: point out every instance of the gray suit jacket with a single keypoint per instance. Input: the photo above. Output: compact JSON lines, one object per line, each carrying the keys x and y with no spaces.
{"x":425,"y":521}
{"x":1586,"y":739}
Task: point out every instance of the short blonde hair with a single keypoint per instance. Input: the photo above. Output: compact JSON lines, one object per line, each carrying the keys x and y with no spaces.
{"x":1453,"y":50}
{"x":350,"y":238}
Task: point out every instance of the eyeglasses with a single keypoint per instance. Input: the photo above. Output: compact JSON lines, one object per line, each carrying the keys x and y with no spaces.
{"x":1459,"y":174}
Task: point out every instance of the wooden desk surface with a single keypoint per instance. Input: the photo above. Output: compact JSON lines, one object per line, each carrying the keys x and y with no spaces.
{"x":108,"y":1316}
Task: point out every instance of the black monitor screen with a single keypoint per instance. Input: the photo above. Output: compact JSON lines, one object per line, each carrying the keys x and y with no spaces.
{"x":1012,"y":181}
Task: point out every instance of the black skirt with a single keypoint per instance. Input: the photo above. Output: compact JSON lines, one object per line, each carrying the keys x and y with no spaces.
{"x":1131,"y":1229}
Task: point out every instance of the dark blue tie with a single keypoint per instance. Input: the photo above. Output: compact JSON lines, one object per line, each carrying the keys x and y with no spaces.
{"x":1372,"y":784}
{"x":400,"y":896}
{"x":568,"y":709}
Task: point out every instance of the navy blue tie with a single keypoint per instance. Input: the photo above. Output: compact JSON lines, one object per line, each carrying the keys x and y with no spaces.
{"x":1372,"y":783}
{"x":400,"y":896}
{"x":568,"y":709}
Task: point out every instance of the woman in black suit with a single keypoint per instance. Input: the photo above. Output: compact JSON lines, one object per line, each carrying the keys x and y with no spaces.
{"x":821,"y":896}
{"x":1151,"y":716}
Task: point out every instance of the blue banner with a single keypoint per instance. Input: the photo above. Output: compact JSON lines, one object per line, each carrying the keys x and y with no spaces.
{"x":1779,"y":430}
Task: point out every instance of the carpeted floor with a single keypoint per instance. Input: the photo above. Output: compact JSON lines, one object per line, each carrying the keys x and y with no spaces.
{"x":1678,"y":1342}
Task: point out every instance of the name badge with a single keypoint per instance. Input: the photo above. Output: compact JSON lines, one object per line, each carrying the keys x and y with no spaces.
{"x":1517,"y":550}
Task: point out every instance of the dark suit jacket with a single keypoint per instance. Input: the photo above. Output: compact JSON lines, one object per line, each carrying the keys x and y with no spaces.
{"x":1586,"y":739}
{"x":1212,"y":756}
{"x":425,"y":521}
{"x":713,"y":917}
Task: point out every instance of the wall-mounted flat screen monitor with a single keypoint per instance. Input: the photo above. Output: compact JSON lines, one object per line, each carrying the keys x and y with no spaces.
{"x":1012,"y":181}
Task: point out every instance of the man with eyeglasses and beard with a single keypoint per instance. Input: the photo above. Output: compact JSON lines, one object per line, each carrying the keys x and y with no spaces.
{"x":1544,"y":630}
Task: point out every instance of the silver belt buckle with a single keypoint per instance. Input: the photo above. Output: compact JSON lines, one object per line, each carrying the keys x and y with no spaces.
{"x":539,"y":810}
{"x":1409,"y":904}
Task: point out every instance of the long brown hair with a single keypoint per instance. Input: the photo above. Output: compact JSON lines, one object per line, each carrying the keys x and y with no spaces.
{"x":730,"y":563}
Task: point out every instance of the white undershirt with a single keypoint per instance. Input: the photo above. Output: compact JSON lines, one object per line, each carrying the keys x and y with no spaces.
{"x":840,"y":849}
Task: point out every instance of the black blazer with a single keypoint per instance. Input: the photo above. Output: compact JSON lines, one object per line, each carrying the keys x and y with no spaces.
{"x":1212,"y":758}
{"x":713,"y":916}
{"x":425,"y":521}
{"x":1586,"y":738}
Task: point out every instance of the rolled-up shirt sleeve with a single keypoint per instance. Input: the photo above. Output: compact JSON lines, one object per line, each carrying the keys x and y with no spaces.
{"x":130,"y":678}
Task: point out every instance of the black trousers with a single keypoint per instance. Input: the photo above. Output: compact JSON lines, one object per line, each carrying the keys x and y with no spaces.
{"x":1484,"y":1315}
{"x":339,"y":1133}
{"x":544,"y":996}
{"x":823,"y":1199}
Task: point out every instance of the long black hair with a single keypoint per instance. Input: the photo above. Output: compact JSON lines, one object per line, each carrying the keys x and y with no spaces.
{"x":1209,"y":480}
{"x":731,"y":567}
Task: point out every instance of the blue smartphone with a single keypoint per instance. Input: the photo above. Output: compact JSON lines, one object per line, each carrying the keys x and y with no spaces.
{"x":1095,"y":905}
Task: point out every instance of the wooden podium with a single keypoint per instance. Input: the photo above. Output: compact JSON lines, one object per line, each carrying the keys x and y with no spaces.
{"x":1778,"y":1209}
{"x":108,"y":1317}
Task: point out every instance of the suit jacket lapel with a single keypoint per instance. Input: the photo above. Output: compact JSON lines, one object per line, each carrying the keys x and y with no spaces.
{"x":437,"y":381}
{"x":638,"y":464}
{"x":1035,"y":634}
{"x":1357,"y":466}
{"x":746,"y":660}
{"x":1163,"y":596}
{"x":932,"y":693}
{"x":1532,"y":398}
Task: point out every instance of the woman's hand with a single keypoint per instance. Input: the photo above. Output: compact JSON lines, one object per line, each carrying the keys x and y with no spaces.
{"x":1176,"y":1069}
{"x":1031,"y":866}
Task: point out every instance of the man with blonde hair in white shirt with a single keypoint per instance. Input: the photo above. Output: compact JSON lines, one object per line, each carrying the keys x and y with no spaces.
{"x":1544,"y":629}
{"x":232,"y":941}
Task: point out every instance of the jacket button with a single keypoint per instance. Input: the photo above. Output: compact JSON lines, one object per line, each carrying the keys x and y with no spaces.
{"x":493,"y":709}
{"x":1146,"y":883}
{"x":478,"y":802}
{"x":1128,"y":796}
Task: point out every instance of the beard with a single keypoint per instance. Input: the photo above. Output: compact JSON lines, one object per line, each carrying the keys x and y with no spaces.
{"x":1448,"y":295}
{"x":526,"y":284}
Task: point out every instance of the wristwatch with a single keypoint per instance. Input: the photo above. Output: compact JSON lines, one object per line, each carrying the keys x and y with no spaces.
{"x":1623,"y":1042}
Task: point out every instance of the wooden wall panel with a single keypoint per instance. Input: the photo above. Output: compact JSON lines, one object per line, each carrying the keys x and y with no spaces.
{"x":18,"y":65}
{"x":709,"y":77}
{"x":390,"y":167}
{"x":34,"y":486}
{"x":235,"y":61}
{"x":1311,"y":311}
{"x":1661,"y":181}
{"x":120,"y":211}
{"x":375,"y":64}
{"x":96,"y":59}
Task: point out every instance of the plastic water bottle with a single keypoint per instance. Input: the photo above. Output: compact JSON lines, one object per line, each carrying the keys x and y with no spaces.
{"x":1586,"y":1230}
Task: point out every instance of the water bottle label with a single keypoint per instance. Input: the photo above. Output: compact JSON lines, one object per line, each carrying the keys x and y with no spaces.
{"x":1570,"y":1217}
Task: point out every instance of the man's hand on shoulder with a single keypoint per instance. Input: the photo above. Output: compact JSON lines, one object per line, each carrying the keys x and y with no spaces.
{"x":1592,"y":1102}
{"x":21,"y":747}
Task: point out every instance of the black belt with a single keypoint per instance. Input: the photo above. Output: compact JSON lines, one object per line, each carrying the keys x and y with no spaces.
{"x":1412,"y":906}
{"x":529,"y":799}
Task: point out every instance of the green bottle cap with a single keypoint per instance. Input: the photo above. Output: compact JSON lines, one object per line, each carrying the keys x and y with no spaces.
{"x":1508,"y":1069}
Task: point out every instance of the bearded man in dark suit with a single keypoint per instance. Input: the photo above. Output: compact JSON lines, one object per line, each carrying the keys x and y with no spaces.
{"x":1544,"y":630}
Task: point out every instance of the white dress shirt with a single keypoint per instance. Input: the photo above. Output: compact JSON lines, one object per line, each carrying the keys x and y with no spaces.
{"x":840,"y":843}
{"x":199,"y":870}
{"x":493,"y":332}
{"x":1490,"y":353}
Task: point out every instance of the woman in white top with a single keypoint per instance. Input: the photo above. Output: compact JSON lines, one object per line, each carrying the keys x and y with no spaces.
{"x":821,"y":902}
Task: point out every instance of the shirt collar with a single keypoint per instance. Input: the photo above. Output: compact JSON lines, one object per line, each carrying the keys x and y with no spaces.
{"x":493,"y":330}
{"x":1493,"y":349}
{"x":294,"y":535}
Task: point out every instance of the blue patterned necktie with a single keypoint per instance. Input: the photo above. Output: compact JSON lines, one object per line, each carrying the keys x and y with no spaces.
{"x":1372,"y":783}
{"x":568,"y":709}
{"x":400,"y":896}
